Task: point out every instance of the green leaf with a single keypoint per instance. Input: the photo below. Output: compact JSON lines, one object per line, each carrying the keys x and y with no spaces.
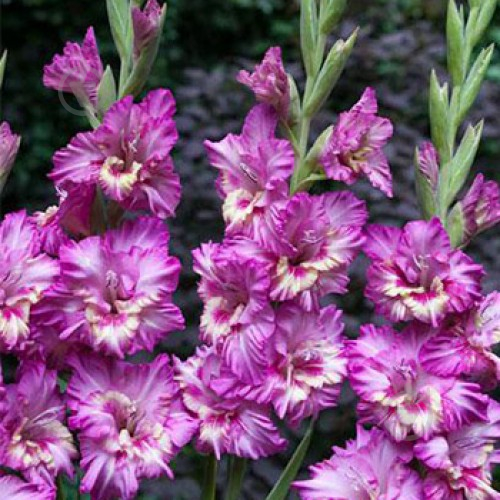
{"x":308,"y":33}
{"x":329,"y":75}
{"x":281,"y":488}
{"x":438,"y":111}
{"x":3,"y":63}
{"x":106,"y":92}
{"x":143,"y":66}
{"x":455,"y":43}
{"x":237,"y":468}
{"x":120,"y":22}
{"x":472,"y":84}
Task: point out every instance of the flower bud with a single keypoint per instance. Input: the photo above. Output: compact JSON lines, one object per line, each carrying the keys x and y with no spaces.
{"x":269,"y":82}
{"x":480,"y":207}
{"x":9,"y":146}
{"x":308,"y":33}
{"x":332,"y":14}
{"x":329,"y":74}
{"x":427,"y":177}
{"x":147,"y":25}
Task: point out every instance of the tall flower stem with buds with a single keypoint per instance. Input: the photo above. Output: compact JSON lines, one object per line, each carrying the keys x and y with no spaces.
{"x":316,"y":24}
{"x":440,"y":179}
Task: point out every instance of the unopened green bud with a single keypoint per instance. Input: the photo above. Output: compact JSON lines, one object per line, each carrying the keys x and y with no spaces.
{"x":330,"y":73}
{"x":331,"y":15}
{"x":454,"y":174}
{"x":294,"y":109}
{"x":438,"y":111}
{"x":308,"y":33}
{"x":120,"y":22}
{"x":487,"y":9}
{"x":472,"y":85}
{"x":106,"y":92}
{"x":455,"y":43}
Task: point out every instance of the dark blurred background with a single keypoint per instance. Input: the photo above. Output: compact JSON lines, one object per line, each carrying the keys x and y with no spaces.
{"x":205,"y":44}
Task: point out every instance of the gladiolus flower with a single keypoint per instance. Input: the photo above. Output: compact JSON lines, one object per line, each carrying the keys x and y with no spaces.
{"x":227,"y":425}
{"x":314,"y":239}
{"x":355,"y":146}
{"x":459,"y":463}
{"x":397,"y":392}
{"x":115,"y":291}
{"x":306,"y":363}
{"x":26,"y":275}
{"x":372,"y":466}
{"x":33,"y":437}
{"x":415,"y":274}
{"x":464,"y":345}
{"x":269,"y":82}
{"x":130,"y":420}
{"x":237,"y":317}
{"x":254,"y":170}
{"x":128,"y":156}
{"x":78,"y":70}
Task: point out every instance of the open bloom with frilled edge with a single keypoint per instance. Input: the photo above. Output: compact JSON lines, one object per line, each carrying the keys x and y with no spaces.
{"x":315,"y":239}
{"x":464,"y":345}
{"x":415,"y":273}
{"x":70,"y":217}
{"x":254,"y":169}
{"x":459,"y":463}
{"x":227,"y":425}
{"x":306,"y":363}
{"x":237,"y":317}
{"x":355,"y":146}
{"x":370,"y":467}
{"x":130,"y":423}
{"x":115,"y":291}
{"x":25,"y":276}
{"x":128,"y":156}
{"x":398,"y":394}
{"x":78,"y":70}
{"x":269,"y":82}
{"x":13,"y":488}
{"x":33,"y":437}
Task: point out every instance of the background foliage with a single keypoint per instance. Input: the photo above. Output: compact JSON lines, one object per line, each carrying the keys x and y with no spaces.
{"x":206,"y":42}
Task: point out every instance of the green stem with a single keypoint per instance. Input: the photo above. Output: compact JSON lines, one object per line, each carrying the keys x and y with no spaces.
{"x":60,"y":488}
{"x":209,"y":491}
{"x":237,"y":469}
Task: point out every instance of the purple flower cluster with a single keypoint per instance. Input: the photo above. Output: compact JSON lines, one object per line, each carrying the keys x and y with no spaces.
{"x":421,"y":386}
{"x":272,"y":345}
{"x":85,"y":284}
